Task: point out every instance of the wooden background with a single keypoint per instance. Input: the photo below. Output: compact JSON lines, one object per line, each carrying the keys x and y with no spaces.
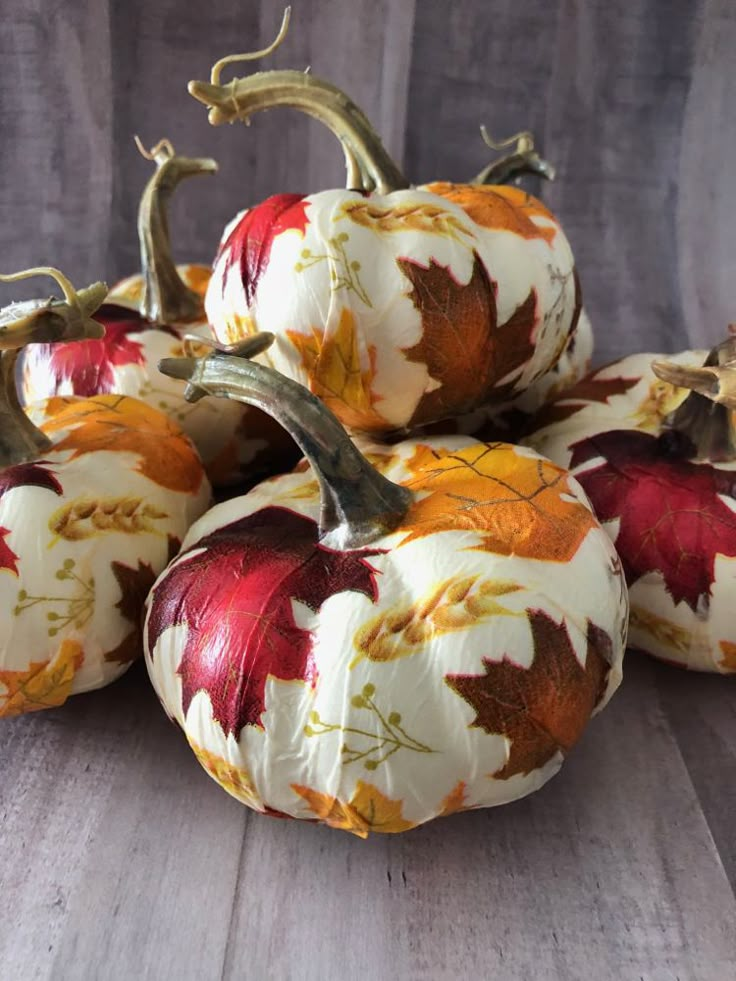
{"x":119,"y":858}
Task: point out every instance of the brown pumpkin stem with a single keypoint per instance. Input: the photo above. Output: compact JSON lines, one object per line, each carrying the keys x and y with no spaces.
{"x":706,"y":415}
{"x":358,"y":503}
{"x":166,"y":298}
{"x":369,"y":167}
{"x":523,"y":160}
{"x":43,"y":322}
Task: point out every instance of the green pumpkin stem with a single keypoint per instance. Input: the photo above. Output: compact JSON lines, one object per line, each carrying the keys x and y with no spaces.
{"x":166,"y":298}
{"x":358,"y":503}
{"x":523,"y":160}
{"x":369,"y":167}
{"x":38,"y":321}
{"x":706,"y":415}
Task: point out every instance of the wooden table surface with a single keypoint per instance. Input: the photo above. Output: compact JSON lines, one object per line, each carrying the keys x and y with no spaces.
{"x":121,"y":859}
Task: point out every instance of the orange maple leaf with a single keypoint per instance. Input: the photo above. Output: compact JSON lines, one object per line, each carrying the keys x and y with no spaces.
{"x":500,"y":207}
{"x":334,"y":365}
{"x":118,"y":423}
{"x":728,"y":649}
{"x":368,"y":810}
{"x":45,"y":684}
{"x":518,"y":505}
{"x":455,"y":800}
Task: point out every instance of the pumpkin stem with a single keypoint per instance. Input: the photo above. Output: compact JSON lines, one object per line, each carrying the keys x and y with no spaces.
{"x":38,"y":321}
{"x":706,"y":415}
{"x":523,"y":160}
{"x":369,"y":167}
{"x":358,"y":503}
{"x":166,"y":298}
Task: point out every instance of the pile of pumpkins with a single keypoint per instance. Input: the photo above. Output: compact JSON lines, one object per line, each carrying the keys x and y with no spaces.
{"x":420,"y":612}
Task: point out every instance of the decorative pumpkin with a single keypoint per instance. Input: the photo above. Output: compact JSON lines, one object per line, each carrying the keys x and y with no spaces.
{"x":658,"y":462}
{"x":375,"y":644}
{"x":396,"y":305}
{"x":149,"y":317}
{"x":91,"y":510}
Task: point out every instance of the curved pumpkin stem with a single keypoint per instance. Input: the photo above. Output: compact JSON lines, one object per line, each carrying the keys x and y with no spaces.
{"x":523,"y":160}
{"x":358,"y":503}
{"x":369,"y":167}
{"x":166,"y":298}
{"x":706,"y":416}
{"x":38,"y":321}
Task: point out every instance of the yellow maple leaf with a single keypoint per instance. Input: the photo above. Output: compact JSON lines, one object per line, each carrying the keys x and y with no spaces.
{"x":336,"y":374}
{"x":236,"y":780}
{"x":368,"y":810}
{"x":45,"y":684}
{"x":518,"y":505}
{"x":119,"y":423}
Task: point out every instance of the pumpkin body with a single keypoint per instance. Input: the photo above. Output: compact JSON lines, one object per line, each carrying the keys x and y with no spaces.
{"x":83,"y":534}
{"x":672,"y":517}
{"x":402,"y":309}
{"x":449,"y":665}
{"x":233,"y":440}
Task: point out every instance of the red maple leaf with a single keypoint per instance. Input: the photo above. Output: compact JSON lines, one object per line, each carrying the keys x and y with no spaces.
{"x":672,"y":519}
{"x":22,"y":475}
{"x":89,"y":365}
{"x":235,"y":596}
{"x":249,"y":243}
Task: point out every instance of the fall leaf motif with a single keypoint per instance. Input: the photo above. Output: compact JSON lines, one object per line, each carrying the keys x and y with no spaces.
{"x":457,"y":343}
{"x":29,"y":475}
{"x":334,"y":365}
{"x":728,"y":649}
{"x":664,"y":631}
{"x":236,"y":595}
{"x":234,"y":779}
{"x":661,"y":399}
{"x":458,"y":603}
{"x":672,"y":518}
{"x":418,"y":217}
{"x":515,"y":345}
{"x":592,"y":388}
{"x":455,"y":800}
{"x":249,"y":244}
{"x":518,"y":505}
{"x":45,"y":684}
{"x":368,"y":810}
{"x":542,"y":709}
{"x":500,"y":208}
{"x":8,"y":558}
{"x":87,"y":517}
{"x":196,"y":276}
{"x":117,"y":423}
{"x":135,"y":585}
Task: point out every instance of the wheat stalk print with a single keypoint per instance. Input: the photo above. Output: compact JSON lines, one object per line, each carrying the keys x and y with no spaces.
{"x":76,"y":609}
{"x":87,"y":517}
{"x":419,"y":217}
{"x":348,"y":277}
{"x":390,"y":738}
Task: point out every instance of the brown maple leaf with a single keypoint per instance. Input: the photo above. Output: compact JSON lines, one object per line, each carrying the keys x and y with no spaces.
{"x":135,"y":585}
{"x":542,"y":709}
{"x":592,"y":388}
{"x":367,"y":810}
{"x":337,"y":374}
{"x":518,"y":505}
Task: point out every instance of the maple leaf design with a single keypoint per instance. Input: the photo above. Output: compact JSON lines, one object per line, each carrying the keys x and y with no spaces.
{"x":455,"y":801}
{"x":728,"y":663}
{"x":44,"y":684}
{"x":135,"y":585}
{"x":249,"y":243}
{"x":514,"y":345}
{"x":119,"y":423}
{"x":542,"y":709}
{"x":672,"y":519}
{"x":235,"y":595}
{"x":336,"y":375}
{"x":592,"y":388}
{"x":504,"y":208}
{"x":236,"y":780}
{"x":23,"y":475}
{"x":518,"y":505}
{"x":367,"y":810}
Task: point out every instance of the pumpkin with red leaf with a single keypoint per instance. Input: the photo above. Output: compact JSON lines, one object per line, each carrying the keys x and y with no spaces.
{"x":92,"y":507}
{"x":657,"y":457}
{"x":399,"y":306}
{"x":382,"y":637}
{"x":156,"y":314}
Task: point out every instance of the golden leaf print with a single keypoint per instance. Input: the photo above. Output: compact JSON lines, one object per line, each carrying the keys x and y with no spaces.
{"x":728,"y":649}
{"x":368,"y":810}
{"x":660,"y":400}
{"x":234,"y":779}
{"x":500,"y":207}
{"x":45,"y":684}
{"x":662,"y":630}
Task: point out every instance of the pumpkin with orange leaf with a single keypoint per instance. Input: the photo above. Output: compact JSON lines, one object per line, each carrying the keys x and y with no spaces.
{"x":396,"y":305}
{"x":155,"y":314}
{"x":383,"y":637}
{"x":92,"y":505}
